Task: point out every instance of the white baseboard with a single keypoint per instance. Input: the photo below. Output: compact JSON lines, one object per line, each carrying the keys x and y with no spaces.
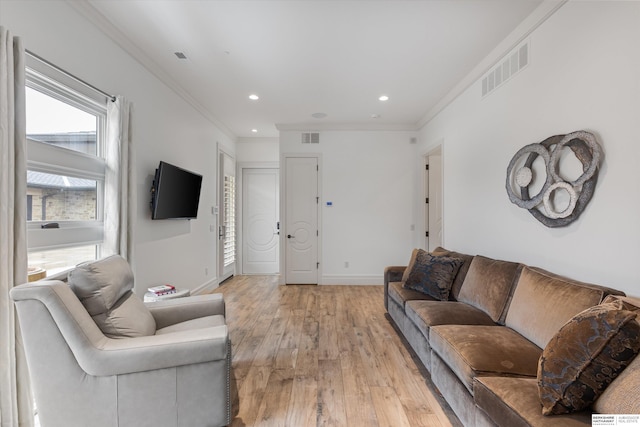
{"x":206,"y":287}
{"x":336,"y":279}
{"x":327,"y":279}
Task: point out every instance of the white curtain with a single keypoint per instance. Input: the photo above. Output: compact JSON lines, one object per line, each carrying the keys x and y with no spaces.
{"x":16,"y":404}
{"x":120,"y":182}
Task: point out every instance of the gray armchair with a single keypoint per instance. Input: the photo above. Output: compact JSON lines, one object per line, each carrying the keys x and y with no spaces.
{"x":98,"y":356}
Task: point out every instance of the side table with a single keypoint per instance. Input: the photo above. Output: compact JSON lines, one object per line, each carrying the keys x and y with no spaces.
{"x":180,"y":293}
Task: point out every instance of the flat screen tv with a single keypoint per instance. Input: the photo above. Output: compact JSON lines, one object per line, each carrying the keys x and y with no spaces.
{"x":175,"y":193}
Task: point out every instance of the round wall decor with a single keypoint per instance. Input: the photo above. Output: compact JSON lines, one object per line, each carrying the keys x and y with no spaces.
{"x":520,"y":177}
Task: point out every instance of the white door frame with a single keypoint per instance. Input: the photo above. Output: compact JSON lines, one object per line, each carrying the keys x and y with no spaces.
{"x":436,"y":149}
{"x":283,"y":214}
{"x":239,"y":207}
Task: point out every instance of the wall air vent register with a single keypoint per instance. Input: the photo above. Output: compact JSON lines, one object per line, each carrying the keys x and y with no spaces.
{"x":310,"y":138}
{"x":508,"y":67}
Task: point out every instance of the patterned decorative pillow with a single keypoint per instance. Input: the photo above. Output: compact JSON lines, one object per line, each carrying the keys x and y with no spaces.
{"x":432,"y":275}
{"x":585,"y":356}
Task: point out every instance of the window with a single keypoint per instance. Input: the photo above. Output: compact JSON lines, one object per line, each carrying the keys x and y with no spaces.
{"x":65,"y":171}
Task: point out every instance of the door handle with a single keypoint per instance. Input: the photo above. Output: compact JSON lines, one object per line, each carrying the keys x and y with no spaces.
{"x":289,"y":236}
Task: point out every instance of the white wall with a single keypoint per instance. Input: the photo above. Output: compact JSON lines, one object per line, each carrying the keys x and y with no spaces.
{"x":257,"y":150}
{"x":366,"y":176}
{"x":584,"y":74}
{"x":165,"y":127}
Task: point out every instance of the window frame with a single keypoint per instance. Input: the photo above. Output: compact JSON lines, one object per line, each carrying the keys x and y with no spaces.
{"x":47,"y":158}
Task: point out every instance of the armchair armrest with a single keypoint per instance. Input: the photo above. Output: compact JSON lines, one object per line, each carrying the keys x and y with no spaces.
{"x":172,"y":311}
{"x":54,"y":302}
{"x":124,"y":356}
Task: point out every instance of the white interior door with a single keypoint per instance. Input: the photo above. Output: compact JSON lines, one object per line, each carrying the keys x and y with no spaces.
{"x":260,"y":216}
{"x":301,"y":223}
{"x":434,"y":211}
{"x":426,"y":206}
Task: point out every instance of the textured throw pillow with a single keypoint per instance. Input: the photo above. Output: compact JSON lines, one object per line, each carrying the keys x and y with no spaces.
{"x":432,"y":275}
{"x":585,"y":356}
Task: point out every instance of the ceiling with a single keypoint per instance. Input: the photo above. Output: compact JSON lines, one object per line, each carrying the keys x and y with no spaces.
{"x":303,"y":57}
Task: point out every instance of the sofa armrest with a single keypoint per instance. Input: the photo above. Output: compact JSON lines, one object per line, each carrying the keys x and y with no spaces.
{"x":172,"y":311}
{"x":391,"y":274}
{"x":394,"y":273}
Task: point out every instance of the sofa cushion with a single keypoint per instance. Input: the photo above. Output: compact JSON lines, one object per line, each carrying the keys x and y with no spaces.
{"x":425,"y":314}
{"x":615,"y":398}
{"x":105,"y":288}
{"x":462,"y":271}
{"x":543,"y":302}
{"x":514,"y":402}
{"x":400,"y":295}
{"x":585,"y":355}
{"x":489,"y":284}
{"x":430,"y":274}
{"x":628,"y":303}
{"x":472,"y":350}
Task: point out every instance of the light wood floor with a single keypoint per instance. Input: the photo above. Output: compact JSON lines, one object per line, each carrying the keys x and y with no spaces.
{"x":323,"y":356}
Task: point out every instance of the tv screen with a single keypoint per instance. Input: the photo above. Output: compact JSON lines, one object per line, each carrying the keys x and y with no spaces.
{"x":175,"y":193}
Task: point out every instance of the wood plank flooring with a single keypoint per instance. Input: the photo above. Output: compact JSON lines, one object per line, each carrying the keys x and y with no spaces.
{"x":308,"y":355}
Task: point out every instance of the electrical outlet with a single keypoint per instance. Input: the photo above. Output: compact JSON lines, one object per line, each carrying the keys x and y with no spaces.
{"x":346,"y":264}
{"x":206,"y":271}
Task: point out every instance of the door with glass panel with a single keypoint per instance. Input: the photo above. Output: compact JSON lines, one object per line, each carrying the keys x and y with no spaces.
{"x":226,"y":216}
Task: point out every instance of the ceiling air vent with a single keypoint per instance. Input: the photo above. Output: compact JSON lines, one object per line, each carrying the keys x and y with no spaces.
{"x":507,"y":68}
{"x":310,"y":138}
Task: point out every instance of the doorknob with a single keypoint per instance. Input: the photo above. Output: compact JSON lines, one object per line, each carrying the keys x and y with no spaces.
{"x":289,"y":236}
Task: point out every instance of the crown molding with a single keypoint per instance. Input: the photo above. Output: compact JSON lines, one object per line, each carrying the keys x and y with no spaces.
{"x":315,"y":126}
{"x":84,"y":8}
{"x":517,"y":36}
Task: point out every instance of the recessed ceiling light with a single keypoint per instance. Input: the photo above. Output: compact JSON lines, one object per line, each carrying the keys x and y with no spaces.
{"x":254,"y":130}
{"x":319,"y":115}
{"x":383,"y":98}
{"x":254,"y":97}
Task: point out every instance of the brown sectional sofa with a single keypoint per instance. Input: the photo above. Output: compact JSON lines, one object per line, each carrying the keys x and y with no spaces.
{"x":482,"y":346}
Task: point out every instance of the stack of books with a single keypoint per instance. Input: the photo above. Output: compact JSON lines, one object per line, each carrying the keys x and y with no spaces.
{"x":162,"y":290}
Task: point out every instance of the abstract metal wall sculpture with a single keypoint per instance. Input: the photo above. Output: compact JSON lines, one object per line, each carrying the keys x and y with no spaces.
{"x":541,"y":206}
